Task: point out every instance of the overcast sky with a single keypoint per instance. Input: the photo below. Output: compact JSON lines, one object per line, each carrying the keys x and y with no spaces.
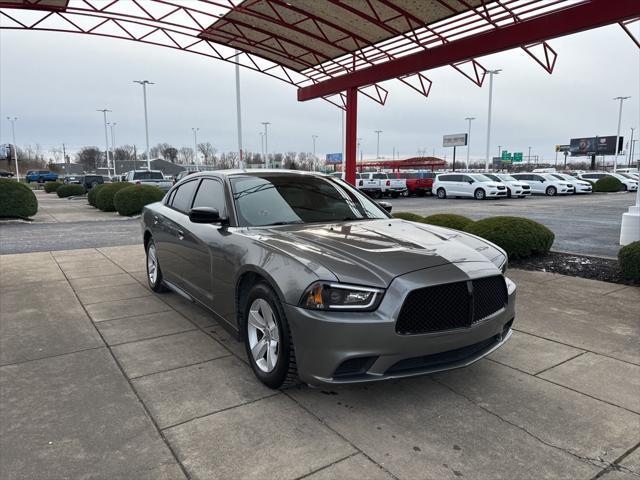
{"x":54,"y":82}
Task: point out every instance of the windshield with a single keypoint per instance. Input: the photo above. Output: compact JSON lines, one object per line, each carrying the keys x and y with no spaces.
{"x":507,"y":178}
{"x":561,"y":177}
{"x":628,"y":175}
{"x":481,"y":178}
{"x":148,"y":176}
{"x":280,"y":199}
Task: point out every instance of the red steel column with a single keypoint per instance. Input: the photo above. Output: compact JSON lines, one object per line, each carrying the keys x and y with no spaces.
{"x":352,"y":134}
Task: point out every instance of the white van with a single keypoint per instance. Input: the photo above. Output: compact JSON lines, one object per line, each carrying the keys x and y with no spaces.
{"x":472,"y":185}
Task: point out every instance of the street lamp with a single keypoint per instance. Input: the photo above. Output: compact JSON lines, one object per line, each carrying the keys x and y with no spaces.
{"x":195,"y":145}
{"x":469,"y":119}
{"x":529,"y":156}
{"x":631,"y":142}
{"x":113,"y":145}
{"x":359,"y":140}
{"x":313,"y":137}
{"x":144,"y":84}
{"x":262,"y":148}
{"x":266,"y":142}
{"x":491,"y":74}
{"x":15,"y":147}
{"x":106,"y":137}
{"x":378,"y":132}
{"x":615,"y":158}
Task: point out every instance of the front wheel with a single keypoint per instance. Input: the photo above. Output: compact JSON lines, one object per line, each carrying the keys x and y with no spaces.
{"x":268,"y":339}
{"x":479,"y":194}
{"x":508,"y":193}
{"x":154,"y":274}
{"x":395,"y":194}
{"x":441,"y":193}
{"x":551,"y":191}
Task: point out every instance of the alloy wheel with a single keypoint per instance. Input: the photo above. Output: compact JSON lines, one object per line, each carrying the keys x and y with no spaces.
{"x":264,"y":335}
{"x":152,"y":264}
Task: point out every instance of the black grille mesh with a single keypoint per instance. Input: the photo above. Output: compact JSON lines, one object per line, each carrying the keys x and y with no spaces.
{"x":451,"y":306}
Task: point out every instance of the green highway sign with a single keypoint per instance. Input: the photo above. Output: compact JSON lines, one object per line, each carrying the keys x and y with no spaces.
{"x":517,"y":156}
{"x":506,"y":155}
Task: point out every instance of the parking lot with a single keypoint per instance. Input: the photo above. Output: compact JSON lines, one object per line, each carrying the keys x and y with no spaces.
{"x":100,"y":378}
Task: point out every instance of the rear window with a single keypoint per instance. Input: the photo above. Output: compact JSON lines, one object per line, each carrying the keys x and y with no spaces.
{"x":148,"y":176}
{"x":380,"y":176}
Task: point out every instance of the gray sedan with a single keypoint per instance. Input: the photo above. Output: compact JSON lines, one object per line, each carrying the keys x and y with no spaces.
{"x":320,"y":283}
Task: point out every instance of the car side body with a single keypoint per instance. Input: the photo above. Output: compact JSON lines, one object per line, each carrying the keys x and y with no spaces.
{"x":471,"y":185}
{"x":41,"y":176}
{"x":544,"y":184}
{"x":514,"y":187}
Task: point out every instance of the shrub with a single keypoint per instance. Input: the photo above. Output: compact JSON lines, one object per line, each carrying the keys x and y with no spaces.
{"x":629,"y":261}
{"x":104,"y":198}
{"x":70,"y":190}
{"x":16,"y":200}
{"x":130,"y":200}
{"x":608,"y":184}
{"x":411,"y":217}
{"x":51,"y":187}
{"x":519,"y":237}
{"x":449,"y":220}
{"x":91,"y":196}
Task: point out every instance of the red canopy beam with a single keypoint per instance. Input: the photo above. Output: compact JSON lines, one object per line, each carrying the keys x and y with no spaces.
{"x":574,"y":19}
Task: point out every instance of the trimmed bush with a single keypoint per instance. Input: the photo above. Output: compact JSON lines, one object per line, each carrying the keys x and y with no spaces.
{"x":629,"y":261}
{"x":131,"y":200}
{"x":70,"y":190}
{"x":104,"y":198}
{"x":16,"y":200}
{"x":608,"y":184}
{"x":519,"y":237}
{"x":51,"y":187}
{"x":449,"y":220}
{"x":411,"y":217}
{"x":91,"y":196}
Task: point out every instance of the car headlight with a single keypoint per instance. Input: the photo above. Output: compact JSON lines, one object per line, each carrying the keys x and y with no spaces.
{"x":337,"y":296}
{"x":501,"y":262}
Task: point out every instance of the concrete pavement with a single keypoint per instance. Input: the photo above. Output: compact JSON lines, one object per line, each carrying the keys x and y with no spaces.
{"x":101,"y":378}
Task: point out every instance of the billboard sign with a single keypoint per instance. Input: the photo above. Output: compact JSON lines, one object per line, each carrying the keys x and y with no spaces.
{"x":594,"y":146}
{"x":505,"y":155}
{"x":517,"y":156}
{"x":333,"y":158}
{"x":455,"y":140}
{"x":563,"y":148}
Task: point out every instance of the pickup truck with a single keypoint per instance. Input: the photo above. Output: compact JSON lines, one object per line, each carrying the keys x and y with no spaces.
{"x":149,"y":177}
{"x":41,"y":176}
{"x":418,"y":183}
{"x":389,"y":186}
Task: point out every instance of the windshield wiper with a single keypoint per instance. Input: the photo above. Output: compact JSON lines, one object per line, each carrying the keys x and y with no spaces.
{"x":292,"y":222}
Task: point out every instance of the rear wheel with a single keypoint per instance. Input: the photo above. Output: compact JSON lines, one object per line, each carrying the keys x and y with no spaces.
{"x":395,"y":194}
{"x":441,"y":193}
{"x":268,"y":339}
{"x":479,"y":194}
{"x":421,"y":193}
{"x":154,"y":274}
{"x":551,"y":191}
{"x":508,"y":193}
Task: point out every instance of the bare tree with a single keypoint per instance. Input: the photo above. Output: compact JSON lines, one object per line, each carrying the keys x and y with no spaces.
{"x":124,"y":152}
{"x":186,"y":155}
{"x":208,"y":152}
{"x":89,"y":157}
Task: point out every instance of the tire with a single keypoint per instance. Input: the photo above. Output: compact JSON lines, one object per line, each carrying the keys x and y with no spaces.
{"x":378,"y":194}
{"x":625,"y":188}
{"x":274,"y":363}
{"x":508,"y":193}
{"x":421,"y":193}
{"x":395,"y":194}
{"x":442,"y":194}
{"x":551,"y":191}
{"x":154,"y":278}
{"x":479,"y":194}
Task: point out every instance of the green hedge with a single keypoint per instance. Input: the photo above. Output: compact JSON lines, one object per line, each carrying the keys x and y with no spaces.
{"x":51,"y":187}
{"x":519,"y":237}
{"x":70,"y":190}
{"x":411,"y":217}
{"x":104,"y":198}
{"x":629,"y":261}
{"x":608,"y":184}
{"x":16,"y":200}
{"x":449,"y":220}
{"x":131,"y":200}
{"x":91,"y":196}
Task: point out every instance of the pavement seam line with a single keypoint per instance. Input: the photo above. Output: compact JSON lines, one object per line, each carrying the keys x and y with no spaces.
{"x":133,"y":390}
{"x":576,"y":347}
{"x":564,"y":386}
{"x":558,"y":364}
{"x":191,"y":329}
{"x":177,"y":368}
{"x":119,"y":300}
{"x":596,"y":462}
{"x":126,"y":316}
{"x":313,"y":472}
{"x":52,"y":356}
{"x":616,"y":464}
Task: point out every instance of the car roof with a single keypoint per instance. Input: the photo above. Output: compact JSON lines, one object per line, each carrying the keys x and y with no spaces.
{"x":240,"y":172}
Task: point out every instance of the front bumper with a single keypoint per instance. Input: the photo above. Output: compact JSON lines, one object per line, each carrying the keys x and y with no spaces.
{"x":326,"y":341}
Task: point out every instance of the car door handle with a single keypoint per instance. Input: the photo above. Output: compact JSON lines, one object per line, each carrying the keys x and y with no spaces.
{"x":180,"y":235}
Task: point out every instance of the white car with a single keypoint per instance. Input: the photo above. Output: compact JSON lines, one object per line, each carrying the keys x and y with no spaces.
{"x":515,"y":188}
{"x":365,"y":183}
{"x":468,"y":185}
{"x":544,"y":184}
{"x":393,"y":187}
{"x":628,"y":184}
{"x":579,"y":186}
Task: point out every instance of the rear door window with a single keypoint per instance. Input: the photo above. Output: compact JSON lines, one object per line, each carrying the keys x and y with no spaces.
{"x":183,"y":196}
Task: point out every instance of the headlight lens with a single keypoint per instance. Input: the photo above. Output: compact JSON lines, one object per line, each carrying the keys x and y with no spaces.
{"x":337,"y":296}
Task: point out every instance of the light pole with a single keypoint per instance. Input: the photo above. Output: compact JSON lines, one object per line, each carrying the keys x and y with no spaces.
{"x":113,"y":145}
{"x":144,"y":84}
{"x":631,"y":147}
{"x":359,"y":140}
{"x":15,"y":147}
{"x":195,"y":145}
{"x":266,"y":142}
{"x":469,"y":119}
{"x":378,"y":132}
{"x":106,"y":136}
{"x":314,"y":137}
{"x":239,"y":111}
{"x":262,"y":149}
{"x":491,"y":74}
{"x":529,"y":156}
{"x":615,"y":158}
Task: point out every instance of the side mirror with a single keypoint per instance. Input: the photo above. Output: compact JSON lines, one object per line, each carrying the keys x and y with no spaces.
{"x":542,"y":180}
{"x":470,"y":182}
{"x":205,"y":215}
{"x":386,"y":205}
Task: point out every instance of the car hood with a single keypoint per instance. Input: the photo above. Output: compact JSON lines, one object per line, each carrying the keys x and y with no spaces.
{"x":375,"y":252}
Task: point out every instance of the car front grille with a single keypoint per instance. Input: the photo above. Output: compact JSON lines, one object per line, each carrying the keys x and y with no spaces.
{"x":526,"y":187}
{"x":451,"y":306}
{"x":501,"y":187}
